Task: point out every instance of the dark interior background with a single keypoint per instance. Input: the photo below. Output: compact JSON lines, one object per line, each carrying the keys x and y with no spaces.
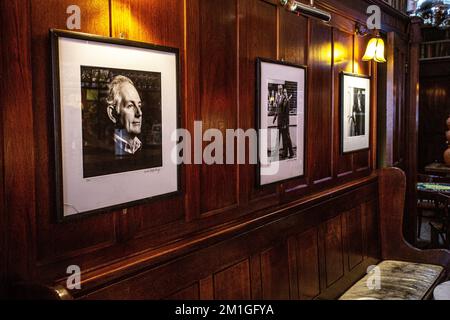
{"x":434,"y":91}
{"x":434,"y":111}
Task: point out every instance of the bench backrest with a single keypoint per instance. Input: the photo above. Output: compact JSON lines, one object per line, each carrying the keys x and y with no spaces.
{"x":392,"y":188}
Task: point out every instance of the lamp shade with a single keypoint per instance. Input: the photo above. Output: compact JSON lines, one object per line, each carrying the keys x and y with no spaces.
{"x":379,"y":54}
{"x":375,"y":50}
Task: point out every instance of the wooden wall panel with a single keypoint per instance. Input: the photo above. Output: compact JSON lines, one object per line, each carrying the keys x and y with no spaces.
{"x":3,"y":213}
{"x":275,"y":273}
{"x":293,"y":47}
{"x":399,"y":146}
{"x":218,"y":78}
{"x":189,"y":293}
{"x":357,"y":10}
{"x":159,"y":23}
{"x":293,"y":268}
{"x":241,"y":266}
{"x":146,"y":217}
{"x":3,"y":228}
{"x":207,"y":288}
{"x":354,"y":237}
{"x":361,"y":67}
{"x":3,"y":217}
{"x":256,"y":276}
{"x":254,"y":16}
{"x":308,"y":264}
{"x":320,"y":124}
{"x":56,"y":241}
{"x":192,"y":110}
{"x":17,"y":135}
{"x":370,"y":211}
{"x":293,"y":38}
{"x":333,"y":244}
{"x":361,"y":159}
{"x":343,"y":62}
{"x":412,"y":50}
{"x":233,"y":283}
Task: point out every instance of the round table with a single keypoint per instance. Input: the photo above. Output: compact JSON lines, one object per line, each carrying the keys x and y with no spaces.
{"x":442,"y":291}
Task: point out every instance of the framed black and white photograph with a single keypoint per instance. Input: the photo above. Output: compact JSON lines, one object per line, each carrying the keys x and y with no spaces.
{"x":281,"y":96}
{"x":355,"y":112}
{"x":116,"y":105}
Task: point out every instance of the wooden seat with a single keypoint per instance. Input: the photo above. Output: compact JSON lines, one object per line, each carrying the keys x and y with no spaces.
{"x":404,"y":269}
{"x":403,"y":272}
{"x":430,"y":205}
{"x":397,"y":281}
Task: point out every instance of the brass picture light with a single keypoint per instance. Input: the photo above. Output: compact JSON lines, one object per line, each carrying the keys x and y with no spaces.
{"x":305,"y":9}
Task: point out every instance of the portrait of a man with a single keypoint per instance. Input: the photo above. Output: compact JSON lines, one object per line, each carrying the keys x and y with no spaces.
{"x":357,"y":117}
{"x":122,"y":124}
{"x":125,"y":111}
{"x":282,"y":104}
{"x":282,"y":116}
{"x":355,"y":112}
{"x":281,"y":120}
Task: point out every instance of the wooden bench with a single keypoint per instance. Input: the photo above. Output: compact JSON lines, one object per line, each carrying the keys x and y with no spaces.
{"x":405,"y":273}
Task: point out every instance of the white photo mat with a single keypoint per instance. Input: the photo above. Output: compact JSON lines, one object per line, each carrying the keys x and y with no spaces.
{"x":82,"y":195}
{"x":276,"y":171}
{"x":350,"y":83}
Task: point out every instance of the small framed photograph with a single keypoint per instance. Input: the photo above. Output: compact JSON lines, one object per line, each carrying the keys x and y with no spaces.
{"x":116,"y":104}
{"x":355,"y":112}
{"x":281,"y":96}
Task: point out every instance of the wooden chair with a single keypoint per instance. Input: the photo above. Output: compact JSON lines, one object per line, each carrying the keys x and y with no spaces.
{"x":428,"y":202}
{"x":440,"y":227}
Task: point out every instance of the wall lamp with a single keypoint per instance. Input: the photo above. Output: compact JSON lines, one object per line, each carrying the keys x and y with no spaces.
{"x":375,"y":47}
{"x":305,"y":9}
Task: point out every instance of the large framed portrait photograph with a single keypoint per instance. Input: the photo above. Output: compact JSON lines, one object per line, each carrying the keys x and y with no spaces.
{"x":355,"y":112}
{"x":116,"y":105}
{"x":281,"y":92}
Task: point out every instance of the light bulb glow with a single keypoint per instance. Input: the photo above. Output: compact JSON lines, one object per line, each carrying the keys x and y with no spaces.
{"x":375,"y":50}
{"x":379,"y":53}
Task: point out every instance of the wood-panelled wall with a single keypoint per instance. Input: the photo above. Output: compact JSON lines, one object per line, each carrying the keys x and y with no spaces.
{"x":312,"y":253}
{"x":18,"y":155}
{"x":3,"y":221}
{"x":218,"y":42}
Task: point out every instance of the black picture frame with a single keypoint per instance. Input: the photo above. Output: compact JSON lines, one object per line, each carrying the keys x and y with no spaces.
{"x":301,"y":106}
{"x":55,"y":36}
{"x":352,"y":140}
